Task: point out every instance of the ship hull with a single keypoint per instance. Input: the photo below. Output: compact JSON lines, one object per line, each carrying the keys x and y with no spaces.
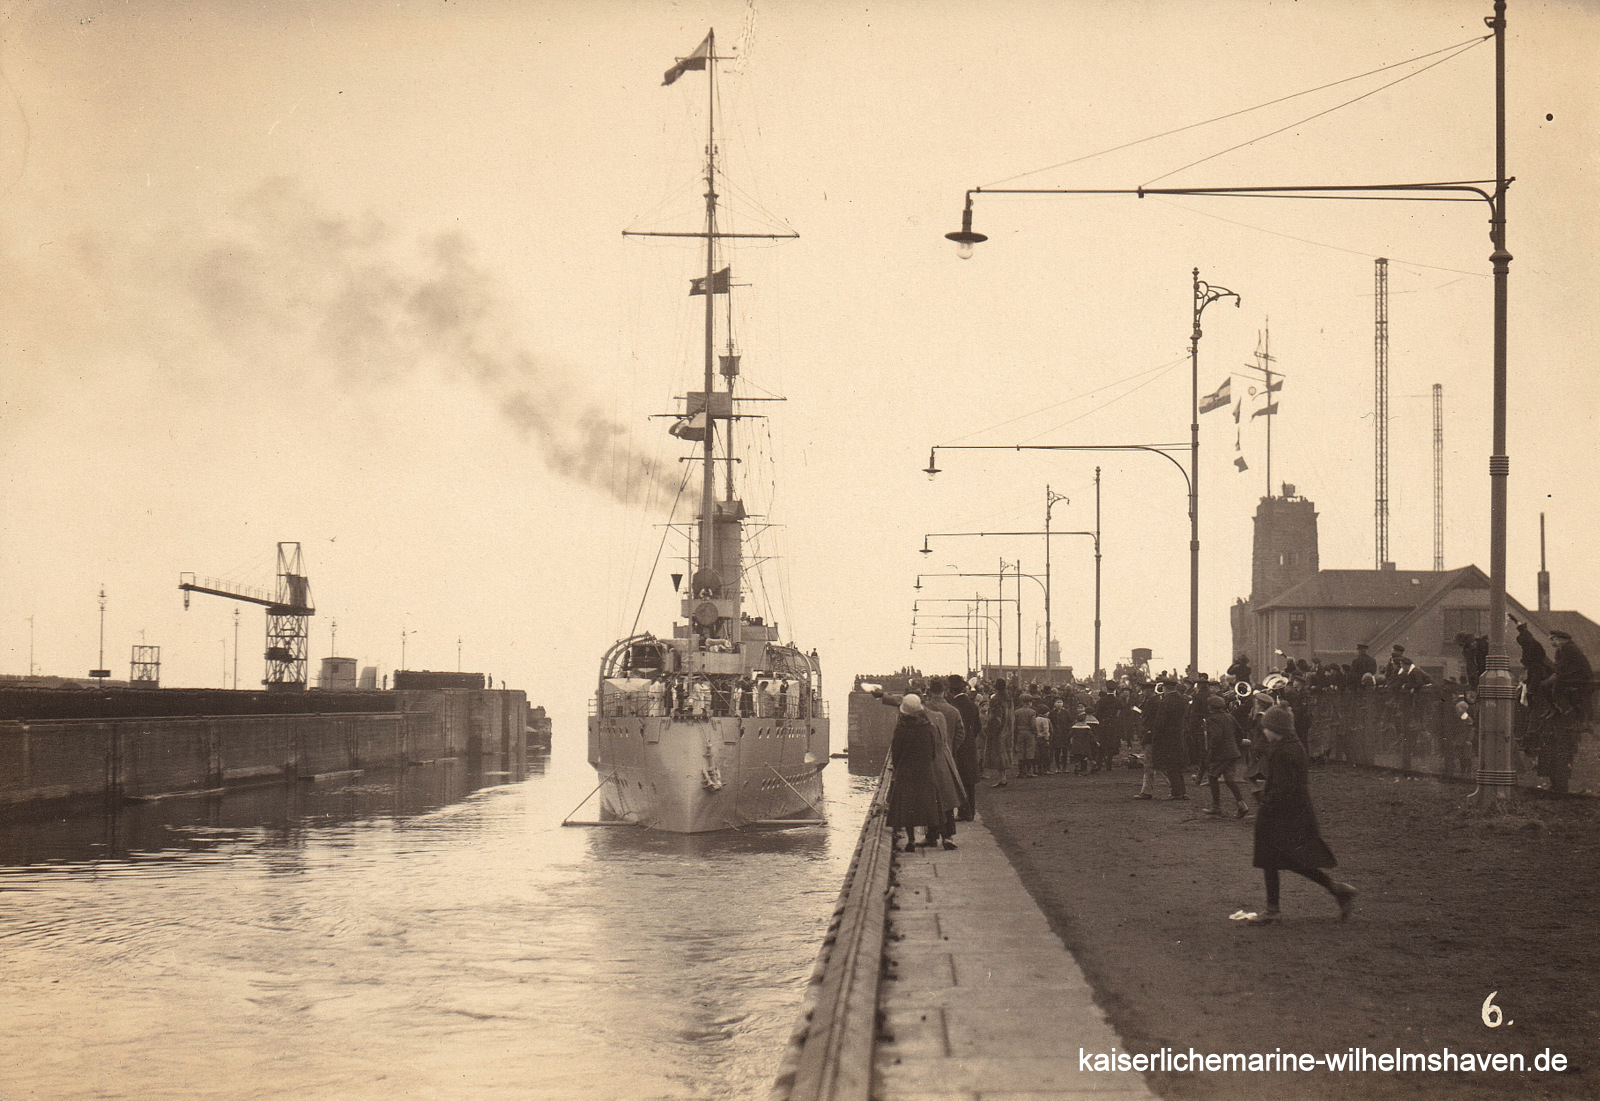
{"x":700,"y":775}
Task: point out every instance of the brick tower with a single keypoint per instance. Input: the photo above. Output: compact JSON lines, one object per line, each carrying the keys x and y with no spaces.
{"x":1285,"y":552}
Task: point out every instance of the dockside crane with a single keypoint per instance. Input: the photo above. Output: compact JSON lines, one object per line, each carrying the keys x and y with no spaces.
{"x":289,"y":611}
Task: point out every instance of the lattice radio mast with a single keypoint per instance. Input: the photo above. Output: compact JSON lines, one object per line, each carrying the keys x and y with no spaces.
{"x":1380,"y":414}
{"x":1438,"y":477}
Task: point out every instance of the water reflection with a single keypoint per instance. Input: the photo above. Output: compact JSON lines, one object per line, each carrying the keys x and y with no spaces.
{"x":431,"y":933}
{"x":277,"y":814}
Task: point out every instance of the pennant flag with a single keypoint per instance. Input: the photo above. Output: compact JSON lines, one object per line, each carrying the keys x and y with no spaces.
{"x":1241,"y":464}
{"x":719,"y":284}
{"x":696,"y":61}
{"x":1265,"y":411}
{"x":1238,"y":405}
{"x":1219,"y":397}
{"x":690,"y":428}
{"x":1273,"y":389}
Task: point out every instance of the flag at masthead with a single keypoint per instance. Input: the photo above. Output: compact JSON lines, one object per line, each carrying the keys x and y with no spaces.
{"x":696,"y":60}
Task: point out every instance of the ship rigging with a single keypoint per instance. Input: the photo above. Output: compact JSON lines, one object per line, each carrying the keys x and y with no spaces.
{"x":721,"y":725}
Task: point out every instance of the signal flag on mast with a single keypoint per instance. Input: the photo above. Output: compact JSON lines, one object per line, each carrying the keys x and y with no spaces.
{"x":696,"y":61}
{"x":719,"y":283}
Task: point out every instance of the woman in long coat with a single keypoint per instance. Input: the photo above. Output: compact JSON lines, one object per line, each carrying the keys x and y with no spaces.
{"x":1000,"y":751}
{"x":1287,"y":838}
{"x":913,"y":794}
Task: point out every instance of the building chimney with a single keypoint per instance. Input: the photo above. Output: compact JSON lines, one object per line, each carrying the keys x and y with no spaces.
{"x":1544,"y":574}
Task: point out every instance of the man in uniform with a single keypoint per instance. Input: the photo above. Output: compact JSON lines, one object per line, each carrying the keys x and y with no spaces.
{"x":1362,"y":664}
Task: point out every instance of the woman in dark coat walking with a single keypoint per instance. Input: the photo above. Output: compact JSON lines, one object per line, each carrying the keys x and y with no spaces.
{"x":1287,"y":838}
{"x":914,"y":794}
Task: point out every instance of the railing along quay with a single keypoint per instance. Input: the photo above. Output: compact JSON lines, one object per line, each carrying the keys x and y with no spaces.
{"x":829,"y":1057}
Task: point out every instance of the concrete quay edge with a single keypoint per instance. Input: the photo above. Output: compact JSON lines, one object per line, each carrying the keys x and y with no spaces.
{"x":980,"y":1000}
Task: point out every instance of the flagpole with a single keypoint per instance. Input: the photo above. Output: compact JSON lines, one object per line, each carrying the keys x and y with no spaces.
{"x":1266,"y":366}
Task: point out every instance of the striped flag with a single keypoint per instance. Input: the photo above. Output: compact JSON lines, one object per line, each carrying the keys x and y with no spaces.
{"x":1219,"y":397}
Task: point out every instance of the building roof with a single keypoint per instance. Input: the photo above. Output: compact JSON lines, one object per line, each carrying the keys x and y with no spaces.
{"x":1372,"y":588}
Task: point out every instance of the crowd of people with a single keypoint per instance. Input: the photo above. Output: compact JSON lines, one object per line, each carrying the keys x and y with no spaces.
{"x":953,"y":734}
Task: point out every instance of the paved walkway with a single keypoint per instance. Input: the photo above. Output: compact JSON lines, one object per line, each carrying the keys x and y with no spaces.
{"x":986,"y":1003}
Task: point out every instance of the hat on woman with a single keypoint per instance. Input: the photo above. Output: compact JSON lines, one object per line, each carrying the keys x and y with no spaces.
{"x":1279,"y":719}
{"x":911,"y":704}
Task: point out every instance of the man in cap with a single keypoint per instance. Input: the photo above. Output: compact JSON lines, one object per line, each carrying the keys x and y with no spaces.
{"x":1572,"y":682}
{"x":1361,"y":665}
{"x":1397,"y":663}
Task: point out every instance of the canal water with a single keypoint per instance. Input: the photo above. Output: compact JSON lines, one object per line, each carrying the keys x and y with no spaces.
{"x":429,"y":933}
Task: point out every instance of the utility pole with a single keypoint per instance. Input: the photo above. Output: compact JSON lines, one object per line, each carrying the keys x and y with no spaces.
{"x":100,"y":672}
{"x":1050,"y":499}
{"x":1204,"y":295}
{"x":1380,"y":413}
{"x":1096,"y":571}
{"x":30,"y":618}
{"x":236,"y":649}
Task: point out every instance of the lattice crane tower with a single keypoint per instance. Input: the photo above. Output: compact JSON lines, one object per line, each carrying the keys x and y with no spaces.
{"x":289,"y":611}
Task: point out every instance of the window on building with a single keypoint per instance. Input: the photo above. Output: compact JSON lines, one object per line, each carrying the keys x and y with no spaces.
{"x":1474,"y":621}
{"x":1297,"y":626}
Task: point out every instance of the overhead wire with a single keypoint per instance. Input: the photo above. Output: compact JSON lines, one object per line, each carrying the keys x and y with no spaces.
{"x":1059,"y":404}
{"x":1309,"y":118}
{"x":1235,"y":114}
{"x":666,"y":530}
{"x":1111,"y":401}
{"x":1308,"y":241}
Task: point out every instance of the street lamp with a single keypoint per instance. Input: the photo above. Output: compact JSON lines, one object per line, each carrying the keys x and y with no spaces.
{"x":1047,"y":533}
{"x":1204,"y":295}
{"x":1162,"y":449}
{"x":964,"y":240}
{"x":975,"y":610}
{"x":1496,"y":773}
{"x":1002,"y":575}
{"x":1050,"y":499}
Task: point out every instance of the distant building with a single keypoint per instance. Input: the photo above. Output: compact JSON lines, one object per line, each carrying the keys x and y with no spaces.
{"x":1298,"y":610}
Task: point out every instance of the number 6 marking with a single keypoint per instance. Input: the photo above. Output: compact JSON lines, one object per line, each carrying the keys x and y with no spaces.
{"x":1491,"y":1012}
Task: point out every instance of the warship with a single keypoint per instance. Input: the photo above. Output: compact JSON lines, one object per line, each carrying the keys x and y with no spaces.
{"x":719,"y":725}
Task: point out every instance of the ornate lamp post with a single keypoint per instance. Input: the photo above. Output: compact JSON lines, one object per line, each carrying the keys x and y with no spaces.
{"x":1204,"y":295}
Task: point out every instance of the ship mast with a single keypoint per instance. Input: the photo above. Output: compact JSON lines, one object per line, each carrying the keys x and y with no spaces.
{"x":708,"y":480}
{"x":710,"y":566}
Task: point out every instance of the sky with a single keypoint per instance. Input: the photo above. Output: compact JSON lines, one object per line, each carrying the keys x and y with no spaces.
{"x":354,"y":276}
